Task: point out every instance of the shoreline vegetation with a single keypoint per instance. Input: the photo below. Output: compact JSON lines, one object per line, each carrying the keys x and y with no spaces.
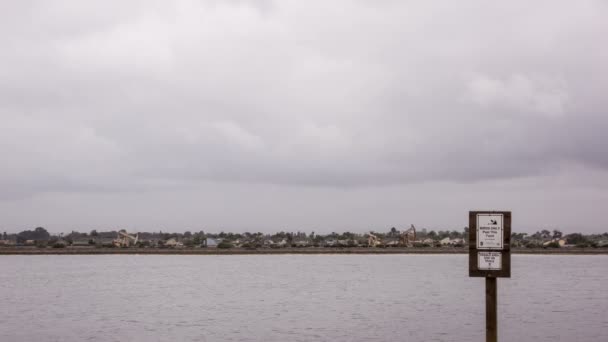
{"x":381,"y":241}
{"x":266,"y":251}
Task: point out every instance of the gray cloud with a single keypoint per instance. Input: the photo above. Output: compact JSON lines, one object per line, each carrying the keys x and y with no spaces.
{"x":153,"y":97}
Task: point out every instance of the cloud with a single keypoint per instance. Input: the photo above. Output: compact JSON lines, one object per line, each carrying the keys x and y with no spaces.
{"x":144,"y":96}
{"x":321,"y":98}
{"x":520,"y":94}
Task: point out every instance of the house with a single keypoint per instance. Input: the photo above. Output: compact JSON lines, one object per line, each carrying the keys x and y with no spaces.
{"x":345,"y":243}
{"x":60,"y":243}
{"x":429,"y":242}
{"x":104,"y":241}
{"x":560,"y":242}
{"x":331,"y":243}
{"x":212,"y":243}
{"x":451,"y":242}
{"x":301,"y":243}
{"x":82,"y":243}
{"x":393,"y":243}
{"x":172,"y":242}
{"x":445,"y":242}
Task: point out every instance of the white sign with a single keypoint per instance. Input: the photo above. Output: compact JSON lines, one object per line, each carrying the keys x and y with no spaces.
{"x":489,"y":260}
{"x":490,"y":231}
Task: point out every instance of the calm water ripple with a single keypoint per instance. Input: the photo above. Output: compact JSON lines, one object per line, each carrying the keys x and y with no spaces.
{"x":296,"y":298}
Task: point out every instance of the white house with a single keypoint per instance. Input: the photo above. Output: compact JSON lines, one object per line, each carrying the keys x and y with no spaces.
{"x":173,"y":243}
{"x":428,"y":242}
{"x":560,"y":242}
{"x":212,"y":243}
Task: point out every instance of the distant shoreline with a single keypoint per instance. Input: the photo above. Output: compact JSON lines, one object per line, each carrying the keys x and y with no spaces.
{"x":310,"y":251}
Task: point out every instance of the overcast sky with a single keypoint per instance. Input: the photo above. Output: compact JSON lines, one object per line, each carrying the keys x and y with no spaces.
{"x":302,"y":115}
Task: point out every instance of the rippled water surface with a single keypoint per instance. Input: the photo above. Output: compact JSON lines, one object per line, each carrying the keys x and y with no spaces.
{"x":296,"y":298}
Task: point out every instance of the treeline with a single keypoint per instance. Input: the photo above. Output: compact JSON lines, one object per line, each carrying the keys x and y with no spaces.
{"x":543,"y":238}
{"x":555,"y":239}
{"x":41,"y":234}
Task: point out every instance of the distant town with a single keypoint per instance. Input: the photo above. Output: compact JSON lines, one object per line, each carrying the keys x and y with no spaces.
{"x":391,"y":237}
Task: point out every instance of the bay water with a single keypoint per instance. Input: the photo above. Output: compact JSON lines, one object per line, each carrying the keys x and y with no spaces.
{"x":297,"y":298}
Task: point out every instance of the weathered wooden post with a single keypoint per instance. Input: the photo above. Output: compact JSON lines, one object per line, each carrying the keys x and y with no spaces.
{"x":491,"y":331}
{"x":490,"y":257}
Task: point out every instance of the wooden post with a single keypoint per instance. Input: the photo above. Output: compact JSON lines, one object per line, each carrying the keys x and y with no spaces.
{"x":490,"y":257}
{"x":491,"y":331}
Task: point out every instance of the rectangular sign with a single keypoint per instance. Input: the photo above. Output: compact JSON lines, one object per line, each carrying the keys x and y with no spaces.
{"x":490,"y":234}
{"x":490,"y":244}
{"x":489,"y":260}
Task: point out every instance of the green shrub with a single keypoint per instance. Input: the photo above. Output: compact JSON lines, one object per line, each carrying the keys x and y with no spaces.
{"x":552,"y":245}
{"x":225,"y":244}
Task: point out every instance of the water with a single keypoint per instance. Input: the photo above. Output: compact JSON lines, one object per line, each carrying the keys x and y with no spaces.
{"x":296,"y":298}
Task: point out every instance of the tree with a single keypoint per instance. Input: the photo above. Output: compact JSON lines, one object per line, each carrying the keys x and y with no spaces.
{"x":289,"y":238}
{"x":348,"y":236}
{"x":38,"y":234}
{"x":41,"y":234}
{"x":225,"y":244}
{"x":94,"y":233}
{"x":552,"y":244}
{"x":518,"y":236}
{"x":443,"y":234}
{"x":576,"y":239}
{"x":318,"y":240}
{"x":196,"y":240}
{"x":58,"y":245}
{"x":557,"y":234}
{"x":393,"y":232}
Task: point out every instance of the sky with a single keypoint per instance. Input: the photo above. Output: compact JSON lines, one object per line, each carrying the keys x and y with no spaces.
{"x":244,"y":115}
